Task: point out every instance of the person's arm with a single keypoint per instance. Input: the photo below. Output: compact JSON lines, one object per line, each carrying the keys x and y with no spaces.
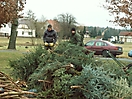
{"x":55,"y":37}
{"x":44,"y":36}
{"x":78,"y":39}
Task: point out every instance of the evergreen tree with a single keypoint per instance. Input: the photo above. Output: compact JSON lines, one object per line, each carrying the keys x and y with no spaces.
{"x":99,"y":33}
{"x":106,"y":35}
{"x":84,"y":29}
{"x":93,"y":33}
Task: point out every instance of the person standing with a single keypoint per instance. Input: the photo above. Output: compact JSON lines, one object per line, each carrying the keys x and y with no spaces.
{"x":75,"y":37}
{"x":49,"y":38}
{"x":82,"y":37}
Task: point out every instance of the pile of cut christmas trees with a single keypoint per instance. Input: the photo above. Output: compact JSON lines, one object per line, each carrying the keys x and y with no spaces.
{"x":70,"y":72}
{"x":50,"y":71}
{"x":10,"y":89}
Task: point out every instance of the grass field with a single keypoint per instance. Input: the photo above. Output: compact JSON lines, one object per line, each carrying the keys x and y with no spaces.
{"x":6,"y":55}
{"x":126,"y":48}
{"x":4,"y":60}
{"x":21,"y":43}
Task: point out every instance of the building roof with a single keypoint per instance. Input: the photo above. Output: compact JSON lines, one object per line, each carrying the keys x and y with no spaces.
{"x":54,"y":24}
{"x":125,"y":33}
{"x":27,"y":22}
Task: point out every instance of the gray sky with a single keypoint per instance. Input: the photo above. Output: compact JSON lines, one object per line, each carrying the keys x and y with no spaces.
{"x":87,"y":12}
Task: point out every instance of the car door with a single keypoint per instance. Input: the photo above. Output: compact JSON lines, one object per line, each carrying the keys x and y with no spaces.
{"x":98,"y":48}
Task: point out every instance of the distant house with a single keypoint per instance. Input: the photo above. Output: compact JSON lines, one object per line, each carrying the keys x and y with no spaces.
{"x":125,"y":36}
{"x":5,"y":30}
{"x":25,"y":29}
{"x":54,"y":24}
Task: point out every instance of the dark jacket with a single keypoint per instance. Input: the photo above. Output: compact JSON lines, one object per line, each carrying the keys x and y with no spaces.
{"x":76,"y":39}
{"x":50,"y":36}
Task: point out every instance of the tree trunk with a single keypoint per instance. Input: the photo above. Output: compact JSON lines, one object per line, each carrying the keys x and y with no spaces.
{"x":12,"y":41}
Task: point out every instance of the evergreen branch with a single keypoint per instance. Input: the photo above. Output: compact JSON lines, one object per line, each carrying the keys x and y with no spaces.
{"x":68,"y":56}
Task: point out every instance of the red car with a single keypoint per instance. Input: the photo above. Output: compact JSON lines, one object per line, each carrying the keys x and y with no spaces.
{"x":100,"y":47}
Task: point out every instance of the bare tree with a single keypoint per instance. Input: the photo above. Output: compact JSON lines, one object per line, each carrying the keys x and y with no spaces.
{"x":31,"y":23}
{"x":122,"y":10}
{"x":36,"y":24}
{"x":67,"y":21}
{"x":40,"y":26}
{"x":42,"y":19}
{"x":31,"y":17}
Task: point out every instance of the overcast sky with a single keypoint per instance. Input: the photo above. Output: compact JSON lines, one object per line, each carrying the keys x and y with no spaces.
{"x":86,"y":12}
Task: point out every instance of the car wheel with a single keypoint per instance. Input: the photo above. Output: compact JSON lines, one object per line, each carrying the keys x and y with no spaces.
{"x":105,"y":54}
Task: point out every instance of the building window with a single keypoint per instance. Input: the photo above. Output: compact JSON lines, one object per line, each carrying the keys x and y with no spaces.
{"x":22,"y":32}
{"x":30,"y":33}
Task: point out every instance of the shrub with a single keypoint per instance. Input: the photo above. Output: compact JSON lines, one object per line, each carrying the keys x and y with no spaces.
{"x":25,"y":66}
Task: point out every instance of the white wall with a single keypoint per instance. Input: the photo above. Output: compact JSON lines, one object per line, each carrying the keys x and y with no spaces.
{"x":22,"y":30}
{"x":5,"y":29}
{"x":25,"y":33}
{"x":128,"y":38}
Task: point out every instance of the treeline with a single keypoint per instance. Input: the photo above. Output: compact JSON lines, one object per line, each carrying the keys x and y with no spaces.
{"x":104,"y":33}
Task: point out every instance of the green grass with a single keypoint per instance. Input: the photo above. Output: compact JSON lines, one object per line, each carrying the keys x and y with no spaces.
{"x":6,"y":55}
{"x":4,"y":60}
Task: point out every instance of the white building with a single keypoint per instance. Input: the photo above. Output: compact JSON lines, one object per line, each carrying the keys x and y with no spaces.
{"x":5,"y":30}
{"x":125,"y":36}
{"x":24,"y":29}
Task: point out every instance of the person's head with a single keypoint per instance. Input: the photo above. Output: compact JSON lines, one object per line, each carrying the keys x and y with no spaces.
{"x":49,"y":27}
{"x":73,"y":30}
